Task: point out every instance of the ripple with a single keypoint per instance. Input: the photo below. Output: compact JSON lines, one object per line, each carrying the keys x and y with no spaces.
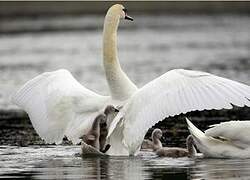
{"x":59,"y":162}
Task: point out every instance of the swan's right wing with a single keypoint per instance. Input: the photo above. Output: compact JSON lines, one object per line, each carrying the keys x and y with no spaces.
{"x":58,"y":105}
{"x":175,"y":92}
{"x":238,"y":132}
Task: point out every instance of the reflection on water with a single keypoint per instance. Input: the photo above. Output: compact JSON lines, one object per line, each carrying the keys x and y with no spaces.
{"x":60,"y":162}
{"x":221,"y":169}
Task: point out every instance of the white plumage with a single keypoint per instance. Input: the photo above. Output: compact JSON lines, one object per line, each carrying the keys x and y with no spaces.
{"x":224,"y":140}
{"x":236,"y":131}
{"x":175,"y":92}
{"x":58,"y":105}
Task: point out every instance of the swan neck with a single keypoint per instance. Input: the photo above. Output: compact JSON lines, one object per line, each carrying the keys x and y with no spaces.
{"x":121,"y":87}
{"x":157,"y":143}
{"x":110,"y":41}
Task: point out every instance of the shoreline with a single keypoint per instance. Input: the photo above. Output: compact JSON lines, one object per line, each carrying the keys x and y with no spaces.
{"x":17,"y":130}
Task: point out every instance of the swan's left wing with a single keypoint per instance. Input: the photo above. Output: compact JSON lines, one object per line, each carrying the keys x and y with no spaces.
{"x":59,"y":105}
{"x":238,"y":132}
{"x":175,"y":92}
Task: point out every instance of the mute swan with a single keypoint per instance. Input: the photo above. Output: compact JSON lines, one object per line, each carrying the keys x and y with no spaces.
{"x":92,"y":138}
{"x":155,"y":143}
{"x":173,"y":152}
{"x":224,"y":140}
{"x":176,"y":152}
{"x":58,"y":105}
{"x":104,"y":128}
{"x":96,"y":137}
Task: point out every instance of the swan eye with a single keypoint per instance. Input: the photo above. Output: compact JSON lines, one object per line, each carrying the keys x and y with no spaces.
{"x":125,"y":10}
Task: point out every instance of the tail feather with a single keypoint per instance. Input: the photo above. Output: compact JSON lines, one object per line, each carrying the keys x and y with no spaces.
{"x":196,"y":133}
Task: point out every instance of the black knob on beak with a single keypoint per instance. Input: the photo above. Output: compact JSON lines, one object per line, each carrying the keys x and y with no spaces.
{"x":127,"y":16}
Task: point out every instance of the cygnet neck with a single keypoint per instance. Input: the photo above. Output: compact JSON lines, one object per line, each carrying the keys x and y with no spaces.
{"x":96,"y":124}
{"x":156,"y":141}
{"x":190,"y":146}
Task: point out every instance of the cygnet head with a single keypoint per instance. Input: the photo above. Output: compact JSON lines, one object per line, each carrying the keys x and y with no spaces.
{"x":119,"y":11}
{"x":156,"y":134}
{"x":110,"y":110}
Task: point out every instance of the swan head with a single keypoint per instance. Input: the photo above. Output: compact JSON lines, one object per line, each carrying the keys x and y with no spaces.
{"x":156,"y":134}
{"x":119,"y":11}
{"x":110,"y":110}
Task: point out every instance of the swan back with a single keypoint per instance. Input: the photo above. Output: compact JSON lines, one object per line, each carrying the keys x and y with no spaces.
{"x":173,"y":152}
{"x":218,"y":147}
{"x":236,"y":131}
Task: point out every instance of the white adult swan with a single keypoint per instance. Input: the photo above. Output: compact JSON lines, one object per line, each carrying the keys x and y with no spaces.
{"x":58,"y":105}
{"x":224,"y":140}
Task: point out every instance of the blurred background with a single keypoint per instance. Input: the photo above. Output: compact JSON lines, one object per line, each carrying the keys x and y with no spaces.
{"x":44,"y":36}
{"x":36,"y":37}
{"x":161,"y":7}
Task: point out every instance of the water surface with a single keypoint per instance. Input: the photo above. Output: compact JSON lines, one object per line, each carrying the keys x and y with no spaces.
{"x":60,"y":162}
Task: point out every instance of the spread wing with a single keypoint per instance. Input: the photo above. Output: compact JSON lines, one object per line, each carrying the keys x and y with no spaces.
{"x":175,"y":92}
{"x":58,"y":105}
{"x":238,"y":132}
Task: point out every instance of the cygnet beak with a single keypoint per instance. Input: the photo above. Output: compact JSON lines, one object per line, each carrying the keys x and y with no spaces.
{"x":116,"y":110}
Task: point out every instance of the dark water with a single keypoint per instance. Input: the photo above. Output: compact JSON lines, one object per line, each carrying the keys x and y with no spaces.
{"x":60,"y":162}
{"x":148,"y":47}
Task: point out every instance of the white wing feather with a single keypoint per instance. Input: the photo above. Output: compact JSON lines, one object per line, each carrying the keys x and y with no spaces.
{"x":58,"y":105}
{"x":175,"y":92}
{"x":236,"y":131}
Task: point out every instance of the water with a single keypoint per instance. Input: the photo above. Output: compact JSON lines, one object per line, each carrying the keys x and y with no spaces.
{"x":148,"y":47}
{"x":60,"y":162}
